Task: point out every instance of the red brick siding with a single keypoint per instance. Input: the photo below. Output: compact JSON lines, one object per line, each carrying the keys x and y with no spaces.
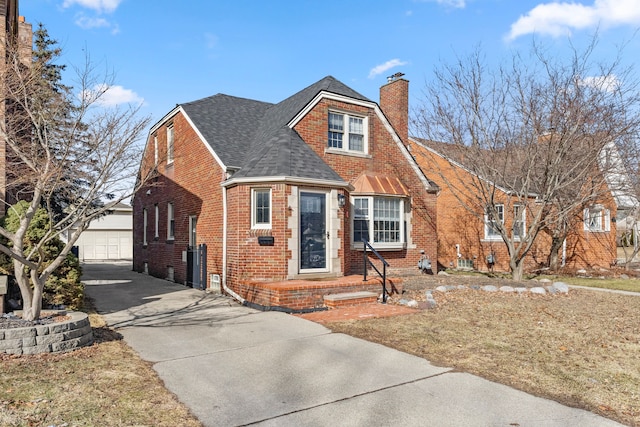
{"x":192,"y":184}
{"x":457,"y":225}
{"x":386,"y":158}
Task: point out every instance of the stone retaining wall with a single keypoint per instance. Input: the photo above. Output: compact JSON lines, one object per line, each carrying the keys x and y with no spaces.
{"x":51,"y":338}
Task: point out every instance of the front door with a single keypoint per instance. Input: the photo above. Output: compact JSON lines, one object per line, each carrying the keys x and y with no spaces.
{"x":313,"y":231}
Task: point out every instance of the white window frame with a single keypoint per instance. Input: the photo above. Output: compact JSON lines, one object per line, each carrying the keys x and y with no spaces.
{"x":488,"y":235}
{"x":171,"y":222}
{"x":144,"y":226}
{"x":522,"y":221}
{"x":346,"y":133}
{"x":193,"y":223}
{"x":254,"y":208}
{"x":156,"y":233}
{"x":155,"y":150}
{"x":170,"y":143}
{"x":370,"y":216}
{"x":597,"y":219}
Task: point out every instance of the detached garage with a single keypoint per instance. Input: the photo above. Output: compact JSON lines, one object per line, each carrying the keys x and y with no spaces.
{"x":108,"y":238}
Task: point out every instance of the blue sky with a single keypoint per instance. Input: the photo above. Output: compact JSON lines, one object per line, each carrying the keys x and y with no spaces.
{"x":167,"y":52}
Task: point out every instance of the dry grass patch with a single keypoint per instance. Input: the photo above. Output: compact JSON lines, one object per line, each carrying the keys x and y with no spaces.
{"x":581,"y":349}
{"x":105,"y":384}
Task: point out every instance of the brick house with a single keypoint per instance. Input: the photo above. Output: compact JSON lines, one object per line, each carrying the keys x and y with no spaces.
{"x":283,"y":192}
{"x":466,"y":238}
{"x":13,"y":29}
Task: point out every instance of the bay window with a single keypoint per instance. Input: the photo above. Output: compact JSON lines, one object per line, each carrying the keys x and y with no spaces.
{"x":379,"y":220}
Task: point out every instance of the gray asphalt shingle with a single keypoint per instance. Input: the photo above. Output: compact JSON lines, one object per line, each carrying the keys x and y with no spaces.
{"x":254,"y":137}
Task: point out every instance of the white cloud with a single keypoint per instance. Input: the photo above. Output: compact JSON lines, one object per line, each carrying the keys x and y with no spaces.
{"x":560,"y":18}
{"x":87,"y":23}
{"x":458,"y":4}
{"x":379,"y":69}
{"x":603,"y":83}
{"x":99,"y":6}
{"x":112,"y":96}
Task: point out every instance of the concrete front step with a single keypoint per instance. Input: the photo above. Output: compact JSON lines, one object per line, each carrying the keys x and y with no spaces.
{"x":350,"y":298}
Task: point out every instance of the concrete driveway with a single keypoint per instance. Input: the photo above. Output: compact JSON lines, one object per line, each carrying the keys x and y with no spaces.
{"x":234,"y":366}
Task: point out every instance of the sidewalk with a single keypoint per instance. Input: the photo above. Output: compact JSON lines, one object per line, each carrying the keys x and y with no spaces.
{"x":233,"y":366}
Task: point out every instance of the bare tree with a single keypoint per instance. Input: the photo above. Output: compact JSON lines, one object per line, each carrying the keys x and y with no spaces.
{"x":67,"y":152}
{"x":532,"y":129}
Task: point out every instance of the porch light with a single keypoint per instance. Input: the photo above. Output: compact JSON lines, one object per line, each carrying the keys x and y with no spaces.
{"x":342,"y":200}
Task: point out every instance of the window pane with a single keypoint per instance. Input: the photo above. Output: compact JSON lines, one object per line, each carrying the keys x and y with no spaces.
{"x":360,"y":230}
{"x":170,"y":144}
{"x":356,"y":142}
{"x":356,"y":134}
{"x":336,"y":122}
{"x":262,"y":207}
{"x":361,"y":208}
{"x":356,"y":125}
{"x":171,"y":223}
{"x":386,"y":220}
{"x":595,"y":220}
{"x":518,"y":221}
{"x":360,"y":219}
{"x":492,"y":223}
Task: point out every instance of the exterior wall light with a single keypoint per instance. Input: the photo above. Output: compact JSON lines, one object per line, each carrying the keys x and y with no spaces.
{"x":342,"y":200}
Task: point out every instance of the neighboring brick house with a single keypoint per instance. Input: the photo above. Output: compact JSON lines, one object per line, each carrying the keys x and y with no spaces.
{"x":283,"y":191}
{"x":13,"y":29}
{"x":466,"y":238}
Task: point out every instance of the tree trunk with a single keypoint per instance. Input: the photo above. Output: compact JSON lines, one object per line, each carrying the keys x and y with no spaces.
{"x":556,"y":244}
{"x":517,"y":270}
{"x":31,"y":297}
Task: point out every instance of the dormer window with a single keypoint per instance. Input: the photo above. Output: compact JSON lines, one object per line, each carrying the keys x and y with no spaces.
{"x":347,"y":132}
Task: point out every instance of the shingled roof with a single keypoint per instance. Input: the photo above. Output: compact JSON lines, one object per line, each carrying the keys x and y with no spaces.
{"x":254,"y":137}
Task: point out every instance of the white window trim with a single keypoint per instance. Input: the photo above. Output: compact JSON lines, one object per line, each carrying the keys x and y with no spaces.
{"x":605,"y":219}
{"x":402,"y":244}
{"x":254,"y":206}
{"x":155,"y":150}
{"x":144,"y":226}
{"x":171,"y":216}
{"x":487,"y":236}
{"x":157,"y":222}
{"x":170,"y":144}
{"x":345,"y":134}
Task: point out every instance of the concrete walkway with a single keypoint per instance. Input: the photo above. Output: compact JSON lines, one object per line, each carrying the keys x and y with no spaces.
{"x":234,"y":366}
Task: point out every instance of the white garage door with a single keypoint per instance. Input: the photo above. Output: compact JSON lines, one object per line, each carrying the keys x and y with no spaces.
{"x":105,"y":244}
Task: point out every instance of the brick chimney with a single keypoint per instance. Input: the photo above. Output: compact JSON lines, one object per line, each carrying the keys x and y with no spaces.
{"x":394,"y":101}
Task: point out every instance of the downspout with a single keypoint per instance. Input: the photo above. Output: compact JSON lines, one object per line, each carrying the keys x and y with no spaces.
{"x":564,"y":252}
{"x":224,"y":250}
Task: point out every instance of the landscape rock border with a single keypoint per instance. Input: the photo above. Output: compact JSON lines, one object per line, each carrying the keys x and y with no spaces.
{"x":50,"y":338}
{"x":553,"y":289}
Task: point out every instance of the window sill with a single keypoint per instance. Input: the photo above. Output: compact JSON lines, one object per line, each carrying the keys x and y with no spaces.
{"x":346,"y":153}
{"x":170,"y":241}
{"x":380,"y":248}
{"x":492,"y":239}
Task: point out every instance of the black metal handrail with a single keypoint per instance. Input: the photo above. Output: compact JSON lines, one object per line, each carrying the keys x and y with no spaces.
{"x":368,"y":262}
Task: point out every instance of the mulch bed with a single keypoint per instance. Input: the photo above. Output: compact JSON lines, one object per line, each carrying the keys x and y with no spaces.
{"x":10,"y":321}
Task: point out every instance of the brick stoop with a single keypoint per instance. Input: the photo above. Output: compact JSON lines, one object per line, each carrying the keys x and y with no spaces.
{"x":350,"y":298}
{"x":299,"y":296}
